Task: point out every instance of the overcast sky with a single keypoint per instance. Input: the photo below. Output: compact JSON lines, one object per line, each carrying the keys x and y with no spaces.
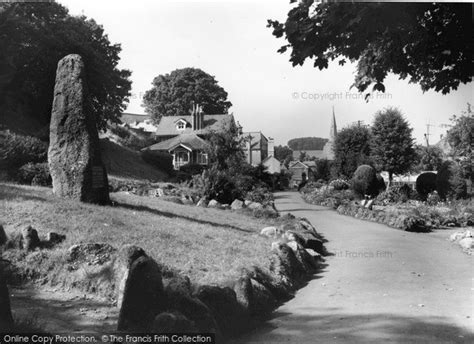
{"x":230,"y":40}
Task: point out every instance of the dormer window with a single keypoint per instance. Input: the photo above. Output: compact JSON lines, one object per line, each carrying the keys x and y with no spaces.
{"x":181,"y":124}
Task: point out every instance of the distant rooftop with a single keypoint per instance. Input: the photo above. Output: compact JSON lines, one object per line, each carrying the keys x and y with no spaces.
{"x":131,"y":118}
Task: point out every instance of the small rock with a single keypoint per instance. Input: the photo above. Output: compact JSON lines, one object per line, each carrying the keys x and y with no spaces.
{"x":255,"y":205}
{"x":226,"y":206}
{"x":202,"y":203}
{"x":293,"y":245}
{"x":214,"y":204}
{"x":237,"y":205}
{"x":160,"y":192}
{"x":270,"y":232}
{"x":30,"y":238}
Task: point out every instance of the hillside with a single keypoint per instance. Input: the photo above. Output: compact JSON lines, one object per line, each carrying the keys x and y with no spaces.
{"x":123,"y":162}
{"x":307,"y":143}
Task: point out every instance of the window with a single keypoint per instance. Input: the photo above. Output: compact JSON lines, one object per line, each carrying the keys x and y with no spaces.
{"x":181,"y":125}
{"x":202,"y":158}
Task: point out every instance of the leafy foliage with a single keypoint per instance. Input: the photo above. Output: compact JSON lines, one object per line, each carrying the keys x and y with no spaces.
{"x":284,"y":154}
{"x":428,"y":43}
{"x":460,"y":137}
{"x":429,"y":158}
{"x":307,"y":143}
{"x":392,"y":143}
{"x":225,"y":148}
{"x":17,"y":150}
{"x":174,"y":94}
{"x":351,"y":149}
{"x":34,"y":37}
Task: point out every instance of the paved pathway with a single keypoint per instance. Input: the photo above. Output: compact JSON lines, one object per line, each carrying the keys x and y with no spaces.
{"x":381,"y":285}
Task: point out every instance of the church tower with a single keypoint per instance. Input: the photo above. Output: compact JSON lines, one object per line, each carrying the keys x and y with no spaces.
{"x":328,"y":150}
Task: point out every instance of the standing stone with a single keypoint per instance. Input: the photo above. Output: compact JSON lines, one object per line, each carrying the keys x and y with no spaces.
{"x":74,"y":155}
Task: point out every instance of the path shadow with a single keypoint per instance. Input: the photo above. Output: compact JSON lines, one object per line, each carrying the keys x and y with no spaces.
{"x":331,"y":326}
{"x":173,"y":215}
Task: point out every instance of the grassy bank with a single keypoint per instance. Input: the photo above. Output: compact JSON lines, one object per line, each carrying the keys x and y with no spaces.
{"x":208,"y":245}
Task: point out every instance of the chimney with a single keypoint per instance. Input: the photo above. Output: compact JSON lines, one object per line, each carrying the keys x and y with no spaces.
{"x":193,"y":115}
{"x":271,"y":147}
{"x":200,"y":117}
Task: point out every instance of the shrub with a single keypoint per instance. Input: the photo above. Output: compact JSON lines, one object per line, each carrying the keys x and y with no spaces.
{"x":450,"y":182}
{"x":17,"y":150}
{"x":364,"y":181}
{"x":219,"y":185}
{"x":425,"y":183}
{"x":161,"y":160}
{"x":192,"y":169}
{"x":458,"y":186}
{"x":35,"y":174}
{"x":261,"y":195}
{"x":381,"y":186}
{"x":339,"y":184}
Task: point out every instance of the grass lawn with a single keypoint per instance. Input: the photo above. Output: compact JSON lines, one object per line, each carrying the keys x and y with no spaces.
{"x":208,"y":245}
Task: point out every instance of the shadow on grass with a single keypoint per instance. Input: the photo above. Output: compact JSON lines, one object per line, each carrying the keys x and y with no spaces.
{"x":173,"y":215}
{"x":328,"y":325}
{"x":10,"y":192}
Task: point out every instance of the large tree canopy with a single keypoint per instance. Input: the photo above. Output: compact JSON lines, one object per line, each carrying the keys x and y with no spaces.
{"x":173,"y":94}
{"x":428,"y":43}
{"x":392,"y":143}
{"x":352,"y":149}
{"x":33,"y":38}
{"x":460,"y":137}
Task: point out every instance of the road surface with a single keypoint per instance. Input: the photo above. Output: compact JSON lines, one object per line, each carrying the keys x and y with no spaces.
{"x":380,"y":285}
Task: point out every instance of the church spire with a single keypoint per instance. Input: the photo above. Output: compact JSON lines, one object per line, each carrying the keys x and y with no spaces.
{"x":333,"y":128}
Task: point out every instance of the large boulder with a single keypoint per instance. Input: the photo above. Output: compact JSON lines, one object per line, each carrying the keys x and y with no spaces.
{"x":141,"y":296}
{"x":74,"y":156}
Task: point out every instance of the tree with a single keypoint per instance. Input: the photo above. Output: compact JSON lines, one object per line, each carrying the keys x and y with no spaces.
{"x":225,"y":149}
{"x":307,"y":143}
{"x":428,"y":43}
{"x":460,"y":138}
{"x":351,"y":149}
{"x":173,"y":94}
{"x":429,"y":158}
{"x":34,"y":37}
{"x":284,"y":154}
{"x":392,"y":143}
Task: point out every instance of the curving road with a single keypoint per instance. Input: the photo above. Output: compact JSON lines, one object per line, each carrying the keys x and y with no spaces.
{"x":380,"y":285}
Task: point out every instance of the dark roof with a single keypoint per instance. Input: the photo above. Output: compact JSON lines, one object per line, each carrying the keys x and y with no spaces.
{"x":190,"y":141}
{"x":130,"y":118}
{"x":219,"y":123}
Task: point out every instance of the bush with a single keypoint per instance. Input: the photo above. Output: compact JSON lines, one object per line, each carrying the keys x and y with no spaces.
{"x":35,"y":174}
{"x":339,"y":184}
{"x":192,"y":169}
{"x":450,"y":182}
{"x":261,"y":195}
{"x":219,"y":185}
{"x":364,"y":181}
{"x":458,"y":186}
{"x":381,"y":186}
{"x":425,"y":183}
{"x":18,"y":150}
{"x":161,"y":160}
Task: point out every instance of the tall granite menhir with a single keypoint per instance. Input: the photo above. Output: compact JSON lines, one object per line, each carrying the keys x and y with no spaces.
{"x":74,"y":155}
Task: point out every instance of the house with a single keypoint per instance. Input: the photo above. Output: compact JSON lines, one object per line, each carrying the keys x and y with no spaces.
{"x":137,"y":121}
{"x":257,"y":147}
{"x":184,"y":137}
{"x":298,"y":168}
{"x":272,"y":165}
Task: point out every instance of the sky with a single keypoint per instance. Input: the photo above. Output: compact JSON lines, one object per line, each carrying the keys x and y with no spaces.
{"x":230,"y":40}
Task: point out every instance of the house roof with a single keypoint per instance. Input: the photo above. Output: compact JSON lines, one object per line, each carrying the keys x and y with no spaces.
{"x":272,"y":164}
{"x":131,"y":118}
{"x":305,"y":164}
{"x":189,"y":141}
{"x":219,"y":123}
{"x":256,"y":137}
